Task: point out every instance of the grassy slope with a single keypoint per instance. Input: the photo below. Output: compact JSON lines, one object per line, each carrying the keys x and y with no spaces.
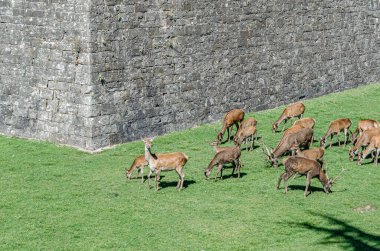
{"x":60,"y":198}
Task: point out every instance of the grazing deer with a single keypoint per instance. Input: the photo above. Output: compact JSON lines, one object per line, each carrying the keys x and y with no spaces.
{"x":231,"y":155}
{"x":374,"y":145}
{"x":163,"y":162}
{"x":314,"y":153}
{"x":363,"y":141}
{"x":290,"y":112}
{"x":335,"y":128}
{"x":302,"y":137}
{"x":247,"y":122}
{"x":308,"y":167}
{"x":363,"y":125}
{"x":231,"y":118}
{"x":138,"y":163}
{"x":305,"y":123}
{"x":217,"y":148}
{"x":292,"y":129}
{"x":245,"y":134}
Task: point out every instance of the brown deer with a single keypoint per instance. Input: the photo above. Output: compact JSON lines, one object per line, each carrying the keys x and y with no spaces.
{"x":336,"y":127}
{"x":246,"y":134}
{"x":292,"y":129}
{"x":314,"y":153}
{"x":138,"y":163}
{"x":308,"y":167}
{"x":303,"y":137}
{"x":248,"y":122}
{"x":290,"y":112}
{"x":363,"y":141}
{"x":231,"y":118}
{"x":163,"y":162}
{"x":374,"y":145}
{"x":363,"y":125}
{"x":217,"y":148}
{"x":305,"y":123}
{"x":231,"y":155}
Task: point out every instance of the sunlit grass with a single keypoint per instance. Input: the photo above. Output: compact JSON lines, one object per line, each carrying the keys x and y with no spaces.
{"x":56,"y":197}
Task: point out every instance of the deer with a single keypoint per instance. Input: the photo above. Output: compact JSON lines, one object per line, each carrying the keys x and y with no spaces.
{"x":336,"y":127}
{"x":230,"y":119}
{"x":138,"y":163}
{"x":308,"y":167}
{"x":290,"y":112}
{"x":374,"y":145}
{"x":217,"y":148}
{"x":247,"y":122}
{"x":305,"y":123}
{"x":302,"y":137}
{"x":363,"y":141}
{"x":231,"y":155}
{"x":164,"y":162}
{"x":314,"y":153}
{"x":363,"y":125}
{"x":292,"y":129}
{"x":245,"y":134}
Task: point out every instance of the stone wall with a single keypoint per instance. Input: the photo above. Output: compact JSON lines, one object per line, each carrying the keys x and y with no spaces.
{"x":101,"y":72}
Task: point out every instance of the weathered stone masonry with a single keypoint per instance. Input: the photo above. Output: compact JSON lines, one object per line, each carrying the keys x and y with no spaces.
{"x":92,"y":73}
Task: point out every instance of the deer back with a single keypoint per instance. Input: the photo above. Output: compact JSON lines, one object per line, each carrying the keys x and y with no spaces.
{"x":301,"y":165}
{"x":305,"y":123}
{"x":235,"y":115}
{"x":295,"y":109}
{"x":170,"y":160}
{"x":314,"y":153}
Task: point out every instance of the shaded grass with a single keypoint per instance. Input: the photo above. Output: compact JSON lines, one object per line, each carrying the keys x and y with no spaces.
{"x":60,"y":198}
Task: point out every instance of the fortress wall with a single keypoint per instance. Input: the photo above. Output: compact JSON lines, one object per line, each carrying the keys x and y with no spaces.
{"x":101,"y":72}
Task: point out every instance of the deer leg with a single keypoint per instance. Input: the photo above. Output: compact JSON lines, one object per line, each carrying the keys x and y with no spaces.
{"x":279,"y":180}
{"x":331,"y":138}
{"x":283,"y":128}
{"x":157,"y":178}
{"x":308,"y":180}
{"x":228,"y":134}
{"x":220,"y":168}
{"x":253,"y":142}
{"x":377,"y":155}
{"x":181,"y":178}
{"x":345,"y":136}
{"x":238,"y":166}
{"x":149,"y":174}
{"x":142,"y":174}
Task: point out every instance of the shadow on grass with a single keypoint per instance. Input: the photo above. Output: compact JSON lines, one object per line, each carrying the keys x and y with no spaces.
{"x":164,"y":184}
{"x":339,"y":232}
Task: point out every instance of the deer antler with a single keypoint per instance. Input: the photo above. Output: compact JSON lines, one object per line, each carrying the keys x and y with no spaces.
{"x":266,"y":148}
{"x":333,"y":180}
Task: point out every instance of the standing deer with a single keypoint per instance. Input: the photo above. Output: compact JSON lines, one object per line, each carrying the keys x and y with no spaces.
{"x":163,"y":162}
{"x":363,"y":141}
{"x":336,"y":127}
{"x":308,"y":167}
{"x":138,"y":163}
{"x":231,"y":155}
{"x":363,"y":125}
{"x":305,"y":123}
{"x":245,"y":134}
{"x":231,"y":118}
{"x":374,"y":145}
{"x":290,"y":112}
{"x":302,"y":137}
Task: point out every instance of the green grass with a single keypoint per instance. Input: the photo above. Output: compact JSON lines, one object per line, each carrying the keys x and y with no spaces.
{"x":59,"y":198}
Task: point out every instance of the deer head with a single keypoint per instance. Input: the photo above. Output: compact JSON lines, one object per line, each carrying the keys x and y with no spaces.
{"x":270,"y":156}
{"x":322,"y":141}
{"x":274,"y":127}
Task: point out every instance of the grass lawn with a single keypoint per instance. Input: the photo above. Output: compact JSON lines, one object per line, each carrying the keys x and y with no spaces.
{"x":59,"y":198}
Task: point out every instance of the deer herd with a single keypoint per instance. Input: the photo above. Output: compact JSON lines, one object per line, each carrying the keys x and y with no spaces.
{"x":294,"y":147}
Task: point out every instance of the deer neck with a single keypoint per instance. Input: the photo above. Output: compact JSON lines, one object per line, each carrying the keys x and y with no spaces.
{"x":323,"y":177}
{"x":280,"y":119}
{"x":149,"y":157}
